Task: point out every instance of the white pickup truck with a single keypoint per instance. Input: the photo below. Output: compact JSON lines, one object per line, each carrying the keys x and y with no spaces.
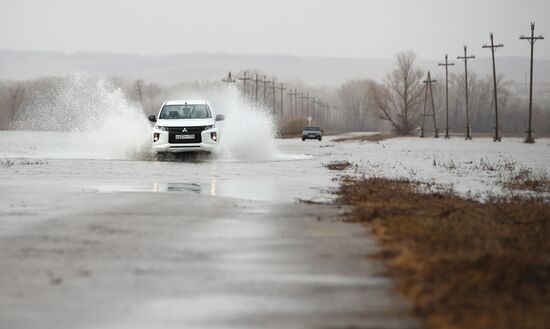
{"x":185,"y":126}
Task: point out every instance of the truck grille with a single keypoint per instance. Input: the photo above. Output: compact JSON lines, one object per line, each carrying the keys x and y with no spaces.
{"x":174,"y":131}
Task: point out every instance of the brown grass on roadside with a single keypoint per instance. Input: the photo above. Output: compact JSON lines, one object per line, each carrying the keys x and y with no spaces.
{"x":464,"y":264}
{"x":366,"y":138}
{"x":528,"y":181}
{"x":338,"y":165}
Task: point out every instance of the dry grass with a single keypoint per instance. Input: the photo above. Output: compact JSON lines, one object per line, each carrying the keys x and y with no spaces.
{"x":338,"y":165}
{"x":366,"y":138}
{"x":527,"y":180}
{"x":464,"y":264}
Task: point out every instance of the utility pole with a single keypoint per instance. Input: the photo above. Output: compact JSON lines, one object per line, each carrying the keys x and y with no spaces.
{"x":532,"y":39}
{"x":296,"y":101}
{"x":293,"y":102}
{"x":446,"y":64}
{"x":256,"y":80}
{"x":320,"y":109}
{"x":493,"y":47}
{"x":307,"y":104}
{"x":428,"y":83}
{"x":282,"y":89}
{"x":265,"y":83}
{"x":290,"y":95}
{"x":244,"y":79}
{"x":301,"y":104}
{"x":273,"y":95}
{"x":313,"y":114}
{"x":229,"y":79}
{"x":466,"y":58}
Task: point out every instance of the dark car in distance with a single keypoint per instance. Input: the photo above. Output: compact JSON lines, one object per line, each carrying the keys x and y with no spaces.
{"x":312,"y":132}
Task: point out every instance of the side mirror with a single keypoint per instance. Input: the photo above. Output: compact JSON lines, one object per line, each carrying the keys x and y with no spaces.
{"x":152,"y":118}
{"x":322,"y":131}
{"x":220,"y":117}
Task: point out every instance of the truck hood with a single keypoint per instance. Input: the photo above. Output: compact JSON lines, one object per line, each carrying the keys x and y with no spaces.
{"x":185,"y":122}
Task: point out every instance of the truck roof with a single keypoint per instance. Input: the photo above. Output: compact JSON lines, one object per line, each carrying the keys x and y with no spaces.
{"x":184,"y":101}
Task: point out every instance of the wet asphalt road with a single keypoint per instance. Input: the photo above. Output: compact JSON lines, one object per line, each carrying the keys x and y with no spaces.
{"x":140,"y":244}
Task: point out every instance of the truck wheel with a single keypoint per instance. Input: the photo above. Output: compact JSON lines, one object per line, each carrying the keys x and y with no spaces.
{"x":303,"y":139}
{"x":320,"y":139}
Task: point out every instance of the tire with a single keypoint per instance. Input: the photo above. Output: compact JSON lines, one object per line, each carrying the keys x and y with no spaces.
{"x":320,"y":139}
{"x":303,"y":139}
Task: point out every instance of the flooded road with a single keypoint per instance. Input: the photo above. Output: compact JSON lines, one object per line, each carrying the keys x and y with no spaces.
{"x":204,"y":243}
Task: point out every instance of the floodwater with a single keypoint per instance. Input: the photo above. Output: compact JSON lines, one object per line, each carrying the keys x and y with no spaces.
{"x":91,"y":241}
{"x":92,"y":237}
{"x":295,"y":172}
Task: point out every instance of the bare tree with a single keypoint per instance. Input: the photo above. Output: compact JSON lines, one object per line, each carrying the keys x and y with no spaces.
{"x":357,"y":102}
{"x":398,"y":99}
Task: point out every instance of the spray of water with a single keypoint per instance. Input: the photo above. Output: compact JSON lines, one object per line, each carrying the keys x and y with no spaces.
{"x":99,"y":120}
{"x":248,"y":133}
{"x":102,"y":123}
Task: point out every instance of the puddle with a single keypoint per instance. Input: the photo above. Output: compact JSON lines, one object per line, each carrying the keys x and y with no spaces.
{"x":241,"y":189}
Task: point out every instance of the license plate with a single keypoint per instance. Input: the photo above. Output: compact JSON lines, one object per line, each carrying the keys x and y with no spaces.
{"x":312,"y":136}
{"x":185,"y":136}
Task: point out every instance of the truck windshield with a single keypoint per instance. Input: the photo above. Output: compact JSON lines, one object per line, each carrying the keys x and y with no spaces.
{"x":312,"y":129}
{"x":186,"y":111}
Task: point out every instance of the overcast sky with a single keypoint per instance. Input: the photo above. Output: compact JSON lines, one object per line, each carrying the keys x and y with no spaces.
{"x":335,"y":28}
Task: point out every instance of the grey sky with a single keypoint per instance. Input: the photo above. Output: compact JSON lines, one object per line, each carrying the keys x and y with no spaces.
{"x":343,"y":28}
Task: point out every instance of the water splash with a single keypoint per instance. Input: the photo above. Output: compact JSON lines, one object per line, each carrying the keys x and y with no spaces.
{"x":248,"y":131}
{"x":100,"y":122}
{"x":99,"y":119}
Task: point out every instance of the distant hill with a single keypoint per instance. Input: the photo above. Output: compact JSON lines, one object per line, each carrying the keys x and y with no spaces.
{"x":169,"y":69}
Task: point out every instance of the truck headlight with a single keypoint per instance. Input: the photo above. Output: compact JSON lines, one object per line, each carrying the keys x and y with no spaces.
{"x":162,"y":128}
{"x":209,"y":127}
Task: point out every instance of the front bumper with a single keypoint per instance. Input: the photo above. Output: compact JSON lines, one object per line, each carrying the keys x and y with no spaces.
{"x":311,"y":136}
{"x":207,"y":144}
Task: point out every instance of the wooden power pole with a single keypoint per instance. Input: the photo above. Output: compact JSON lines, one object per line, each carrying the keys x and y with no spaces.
{"x":256,"y":80}
{"x":244,"y":79}
{"x":494,"y":47}
{"x":229,"y":79}
{"x":282,"y":89}
{"x":446,"y":64}
{"x":429,"y":89}
{"x":465,"y":58}
{"x":532,"y":39}
{"x":265,"y":82}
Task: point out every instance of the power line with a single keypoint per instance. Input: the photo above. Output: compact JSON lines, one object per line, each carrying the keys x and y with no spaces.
{"x":494,"y":47}
{"x":229,"y":79}
{"x":428,"y":83}
{"x":282,"y":89}
{"x":265,"y":82}
{"x":465,"y":58}
{"x":532,"y":39}
{"x":244,"y":79}
{"x":256,"y":80}
{"x":446,"y":64}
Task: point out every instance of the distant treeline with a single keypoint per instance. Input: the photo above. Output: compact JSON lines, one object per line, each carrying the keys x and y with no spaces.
{"x":396,"y":103}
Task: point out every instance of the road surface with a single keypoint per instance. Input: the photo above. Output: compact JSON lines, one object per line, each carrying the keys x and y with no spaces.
{"x":103,"y":243}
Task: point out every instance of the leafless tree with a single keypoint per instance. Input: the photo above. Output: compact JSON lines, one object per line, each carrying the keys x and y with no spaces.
{"x":399,"y":97}
{"x":358,"y":104}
